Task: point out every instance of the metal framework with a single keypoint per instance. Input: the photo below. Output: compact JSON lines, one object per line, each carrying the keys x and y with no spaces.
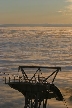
{"x":36,"y":92}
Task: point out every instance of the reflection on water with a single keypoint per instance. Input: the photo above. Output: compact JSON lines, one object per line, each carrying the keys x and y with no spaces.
{"x":36,"y":46}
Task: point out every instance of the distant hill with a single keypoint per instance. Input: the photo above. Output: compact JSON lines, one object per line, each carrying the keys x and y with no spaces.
{"x":35,"y":25}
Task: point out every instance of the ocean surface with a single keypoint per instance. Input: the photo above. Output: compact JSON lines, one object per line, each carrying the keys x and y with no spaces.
{"x":35,"y":46}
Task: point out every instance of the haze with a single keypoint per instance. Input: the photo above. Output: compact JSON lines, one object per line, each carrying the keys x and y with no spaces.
{"x":35,"y":11}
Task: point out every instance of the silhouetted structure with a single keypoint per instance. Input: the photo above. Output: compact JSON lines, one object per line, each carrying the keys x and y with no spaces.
{"x":38,"y":90}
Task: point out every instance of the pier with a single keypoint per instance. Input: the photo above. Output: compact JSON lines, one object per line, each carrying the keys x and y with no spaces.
{"x":36,"y":90}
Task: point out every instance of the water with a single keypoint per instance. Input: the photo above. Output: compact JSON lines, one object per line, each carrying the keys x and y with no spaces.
{"x":44,"y":46}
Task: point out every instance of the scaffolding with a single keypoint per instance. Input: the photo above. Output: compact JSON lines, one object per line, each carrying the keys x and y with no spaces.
{"x":38,"y":90}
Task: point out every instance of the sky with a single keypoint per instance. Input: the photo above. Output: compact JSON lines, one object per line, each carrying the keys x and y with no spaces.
{"x":35,"y":11}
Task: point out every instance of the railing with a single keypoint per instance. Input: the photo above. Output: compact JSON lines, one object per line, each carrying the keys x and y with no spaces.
{"x":39,"y":79}
{"x":12,"y":80}
{"x":19,"y":79}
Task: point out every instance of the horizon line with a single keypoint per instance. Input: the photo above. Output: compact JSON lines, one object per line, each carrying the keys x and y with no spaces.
{"x":34,"y":25}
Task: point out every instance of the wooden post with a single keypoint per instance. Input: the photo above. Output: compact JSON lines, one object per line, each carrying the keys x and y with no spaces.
{"x":9,"y":79}
{"x":44,"y":103}
{"x":14,"y":78}
{"x":31,"y":103}
{"x":19,"y":79}
{"x":36,"y":101}
{"x":5,"y":80}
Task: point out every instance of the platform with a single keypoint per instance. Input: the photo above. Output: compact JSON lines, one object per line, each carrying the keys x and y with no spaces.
{"x":36,"y":91}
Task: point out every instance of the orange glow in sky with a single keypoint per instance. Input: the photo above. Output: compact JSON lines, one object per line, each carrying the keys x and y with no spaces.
{"x":35,"y":11}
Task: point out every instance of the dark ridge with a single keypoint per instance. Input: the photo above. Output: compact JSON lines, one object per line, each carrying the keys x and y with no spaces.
{"x":35,"y":25}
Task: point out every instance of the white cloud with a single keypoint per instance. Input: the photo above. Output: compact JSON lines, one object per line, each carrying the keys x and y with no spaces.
{"x":68,"y":0}
{"x":66,"y":11}
{"x":69,"y":7}
{"x":59,"y":11}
